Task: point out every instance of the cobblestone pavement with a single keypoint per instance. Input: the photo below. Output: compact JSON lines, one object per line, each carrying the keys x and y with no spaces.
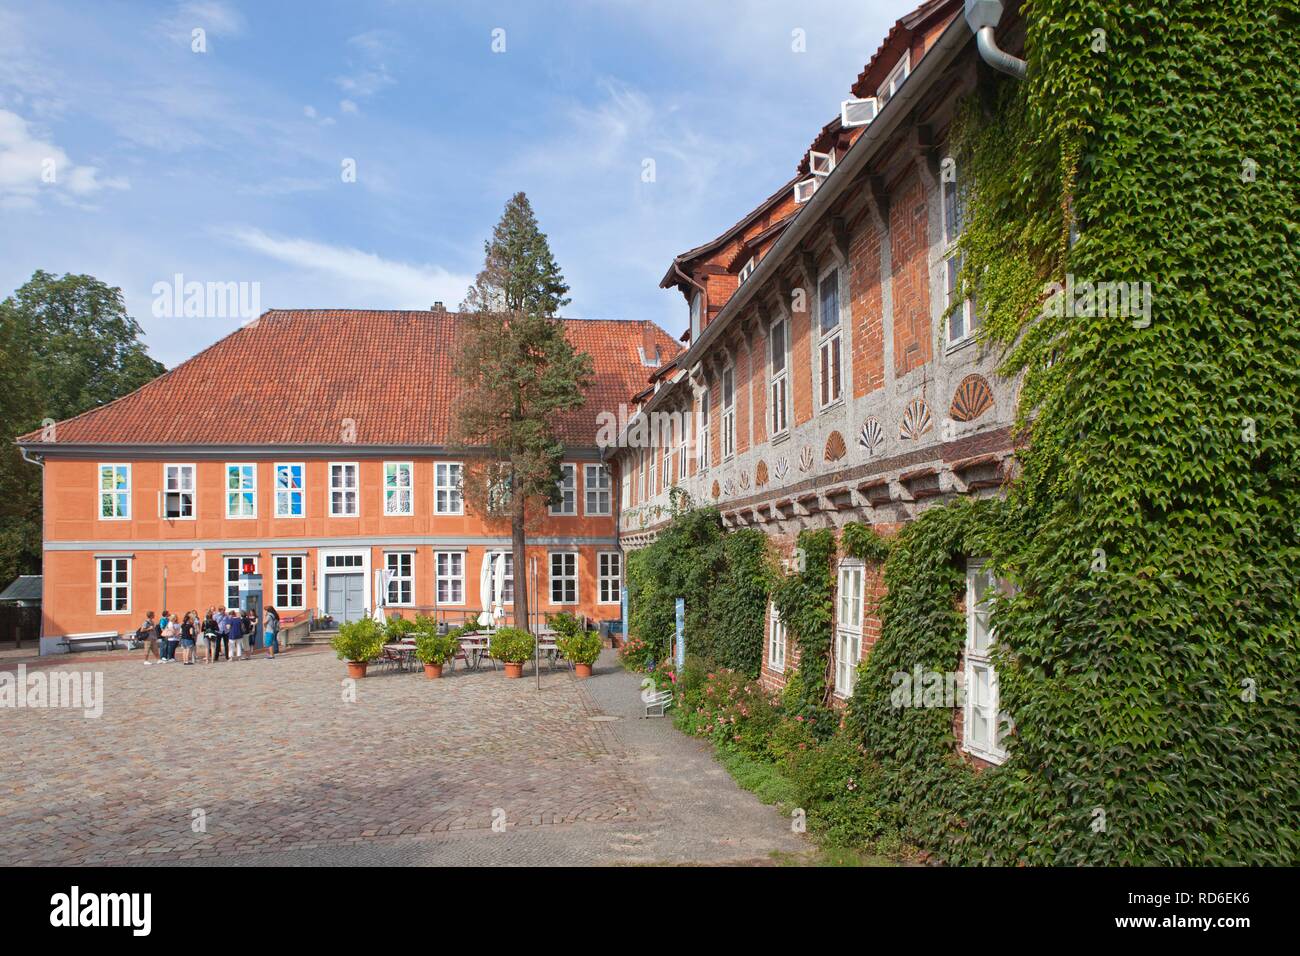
{"x":280,"y":769}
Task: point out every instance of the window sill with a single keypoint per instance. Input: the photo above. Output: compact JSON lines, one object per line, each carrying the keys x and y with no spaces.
{"x":961,"y":343}
{"x":997,"y":759}
{"x":781,"y":437}
{"x":834,"y":406}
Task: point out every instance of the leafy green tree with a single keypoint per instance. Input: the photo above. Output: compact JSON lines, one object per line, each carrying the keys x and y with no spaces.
{"x":518,"y":372}
{"x":67,"y":345}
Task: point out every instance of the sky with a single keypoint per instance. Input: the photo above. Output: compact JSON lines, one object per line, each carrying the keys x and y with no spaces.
{"x":357,"y":154}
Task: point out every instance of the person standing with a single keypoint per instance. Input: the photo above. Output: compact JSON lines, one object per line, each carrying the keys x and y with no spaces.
{"x":171,"y":636}
{"x":211,"y":635}
{"x":237,"y":648}
{"x":148,"y":634}
{"x":272,"y":633}
{"x":189,"y":636}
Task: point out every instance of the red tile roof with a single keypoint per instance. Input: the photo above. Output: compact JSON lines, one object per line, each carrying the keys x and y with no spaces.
{"x":294,"y":377}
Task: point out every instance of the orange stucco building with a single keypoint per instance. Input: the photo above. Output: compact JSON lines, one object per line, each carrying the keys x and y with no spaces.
{"x":315,"y":444}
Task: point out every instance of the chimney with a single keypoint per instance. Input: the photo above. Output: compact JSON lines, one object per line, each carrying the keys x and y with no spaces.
{"x":438,"y":307}
{"x":649,"y":350}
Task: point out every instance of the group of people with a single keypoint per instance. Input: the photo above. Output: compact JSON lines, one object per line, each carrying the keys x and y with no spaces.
{"x":219,"y":631}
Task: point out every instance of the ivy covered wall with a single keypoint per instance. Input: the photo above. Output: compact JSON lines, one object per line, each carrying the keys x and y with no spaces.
{"x":1149,"y":659}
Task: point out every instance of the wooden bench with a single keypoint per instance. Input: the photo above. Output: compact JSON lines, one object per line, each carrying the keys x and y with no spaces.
{"x":73,"y":641}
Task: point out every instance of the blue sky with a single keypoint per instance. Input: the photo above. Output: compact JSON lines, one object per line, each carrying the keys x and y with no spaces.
{"x":227,"y":165}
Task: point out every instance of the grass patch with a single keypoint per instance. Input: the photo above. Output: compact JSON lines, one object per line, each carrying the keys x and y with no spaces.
{"x":764,"y":780}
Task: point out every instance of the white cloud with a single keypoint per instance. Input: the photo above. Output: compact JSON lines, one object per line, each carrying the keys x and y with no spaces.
{"x":29,"y":164}
{"x":347,"y":106}
{"x":215,"y":17}
{"x":386,"y":283}
{"x":368,"y":68}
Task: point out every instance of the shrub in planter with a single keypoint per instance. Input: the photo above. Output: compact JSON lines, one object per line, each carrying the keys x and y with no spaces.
{"x":512,"y":646}
{"x":357,"y":642}
{"x":581,"y":647}
{"x":434,"y":649}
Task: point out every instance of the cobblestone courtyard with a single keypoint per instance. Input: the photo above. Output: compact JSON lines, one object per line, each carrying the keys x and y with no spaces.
{"x":279,"y":768}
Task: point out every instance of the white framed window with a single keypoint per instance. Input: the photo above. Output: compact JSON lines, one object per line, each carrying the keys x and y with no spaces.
{"x":343,"y":489}
{"x":564,"y":577}
{"x":241,"y":490}
{"x":289,"y":502}
{"x":114,"y":492}
{"x":450,"y":576}
{"x":830,"y":347}
{"x":114,"y":585}
{"x":609,"y":568}
{"x":399,"y":497}
{"x":747,"y":270}
{"x":568,"y":491}
{"x":507,"y":576}
{"x":625,"y":483}
{"x":401,"y":586}
{"x":897,"y":76}
{"x":962,"y":319}
{"x":234,"y":568}
{"x":776,"y":640}
{"x":728,"y":412}
{"x":178,"y":492}
{"x":779,"y":383}
{"x":599,"y":489}
{"x":447,"y":488}
{"x":848,"y":626}
{"x":697,"y":310}
{"x":702,"y":426}
{"x":643,"y":473}
{"x":683,"y":453}
{"x":982,"y":717}
{"x":667,"y":460}
{"x":289,"y":576}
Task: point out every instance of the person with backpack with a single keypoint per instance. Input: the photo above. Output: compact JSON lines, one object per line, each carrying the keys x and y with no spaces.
{"x":171,"y":636}
{"x":212,"y":635}
{"x":272,"y":633}
{"x":148,"y":635}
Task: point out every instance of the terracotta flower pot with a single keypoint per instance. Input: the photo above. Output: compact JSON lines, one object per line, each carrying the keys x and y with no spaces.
{"x":432,"y":671}
{"x":582,"y":671}
{"x":514,"y":670}
{"x":356,"y":669}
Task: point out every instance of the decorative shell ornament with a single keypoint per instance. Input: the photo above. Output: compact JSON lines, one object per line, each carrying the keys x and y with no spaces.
{"x":760,"y":475}
{"x":872,"y":436}
{"x":782,"y":468}
{"x":835,"y":447}
{"x":744,"y":481}
{"x":916,"y":420}
{"x":729,"y":487}
{"x":716,"y":489}
{"x":806,"y":458}
{"x":972,"y":399}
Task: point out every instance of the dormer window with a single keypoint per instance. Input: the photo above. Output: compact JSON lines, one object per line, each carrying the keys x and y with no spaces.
{"x":697,"y":307}
{"x":895,"y":79}
{"x":748,"y":269}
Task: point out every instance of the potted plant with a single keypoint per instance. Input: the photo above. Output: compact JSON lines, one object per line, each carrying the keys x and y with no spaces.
{"x":357,"y":642}
{"x":582,"y":648}
{"x":434,"y":649}
{"x":576,"y":644}
{"x":512,"y":646}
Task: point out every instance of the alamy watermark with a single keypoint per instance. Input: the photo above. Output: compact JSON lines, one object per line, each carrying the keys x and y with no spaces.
{"x":206,"y":300}
{"x":44,"y":688}
{"x":1119,"y":300}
